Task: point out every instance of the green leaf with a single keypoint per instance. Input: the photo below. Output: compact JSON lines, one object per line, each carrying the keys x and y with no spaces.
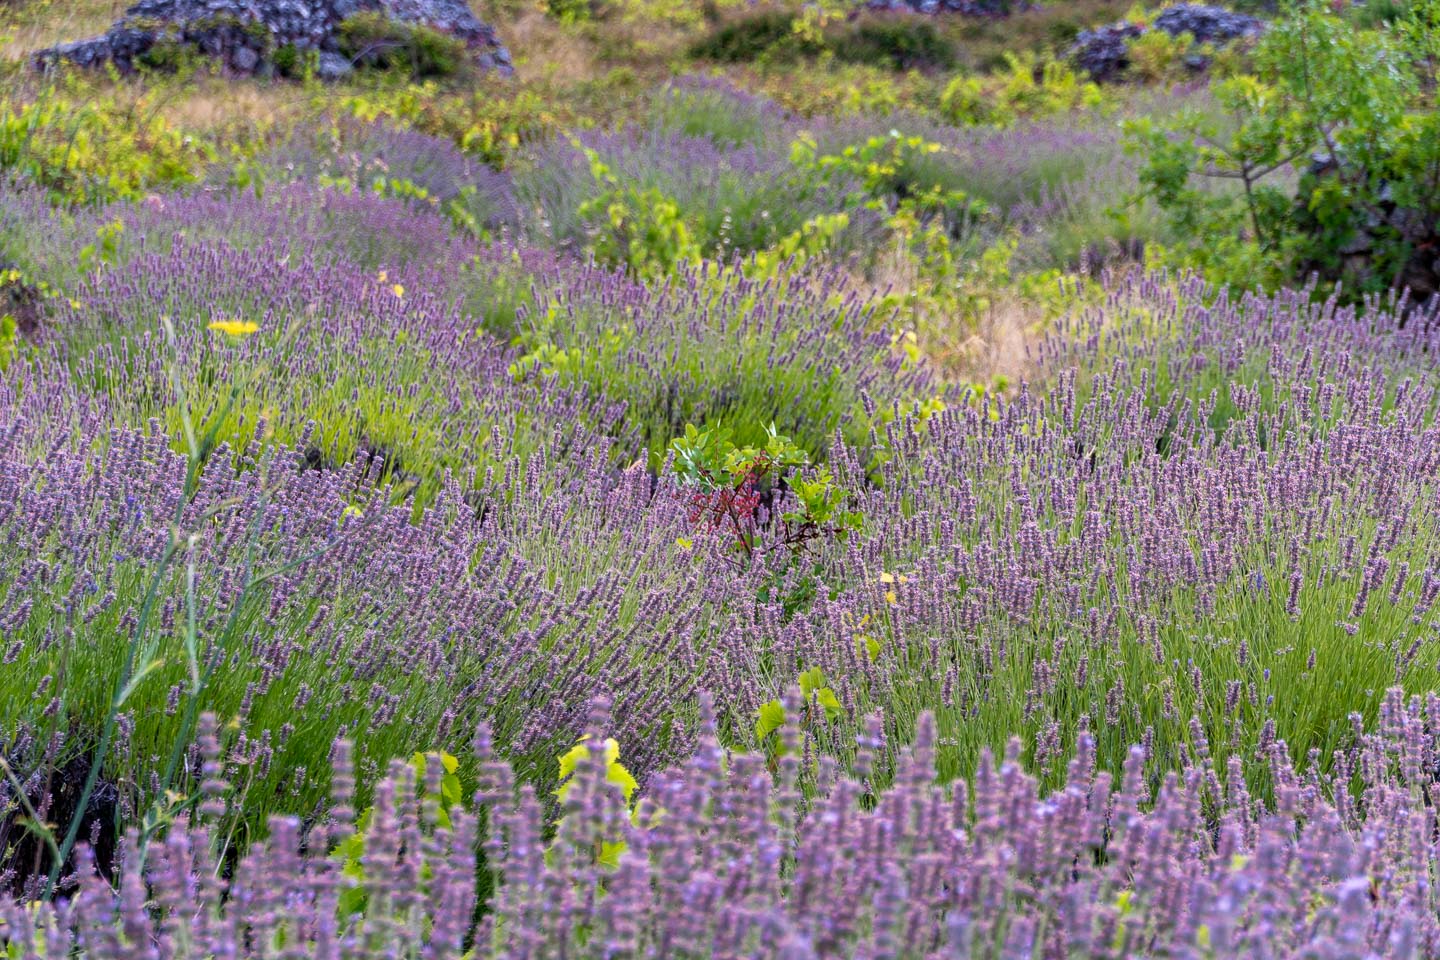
{"x":772,"y":718}
{"x":810,"y":681}
{"x":610,"y":853}
{"x":615,"y":771}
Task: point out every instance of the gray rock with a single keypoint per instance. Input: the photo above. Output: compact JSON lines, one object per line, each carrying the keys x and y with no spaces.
{"x":970,"y":8}
{"x":1104,"y":52}
{"x":244,"y":59}
{"x":332,"y":67}
{"x":1208,"y":24}
{"x":243,"y":32}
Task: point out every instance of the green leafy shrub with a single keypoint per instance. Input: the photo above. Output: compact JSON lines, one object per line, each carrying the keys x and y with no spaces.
{"x":84,"y":146}
{"x":638,"y":228}
{"x":568,"y":11}
{"x":292,"y":63}
{"x":1021,"y":90}
{"x":374,"y":40}
{"x":1352,"y":112}
{"x":1156,"y":55}
{"x":728,"y":483}
{"x":488,"y":122}
{"x":901,"y":44}
{"x":169,"y":54}
{"x":769,"y":35}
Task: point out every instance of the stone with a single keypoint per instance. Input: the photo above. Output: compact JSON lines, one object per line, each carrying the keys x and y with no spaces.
{"x":244,"y":60}
{"x":332,"y":67}
{"x":1208,"y":24}
{"x":1104,"y":52}
{"x":243,"y":33}
{"x":969,"y":8}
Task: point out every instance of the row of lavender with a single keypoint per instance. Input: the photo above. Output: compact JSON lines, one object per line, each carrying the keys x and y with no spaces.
{"x":1216,"y":510}
{"x":721,"y":858}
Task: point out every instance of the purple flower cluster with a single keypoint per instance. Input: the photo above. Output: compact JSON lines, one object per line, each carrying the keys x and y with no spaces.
{"x":737,"y":196}
{"x":377,"y":157}
{"x":1133,"y":549}
{"x":1185,"y":584}
{"x":721,"y":858}
{"x":323,"y":608}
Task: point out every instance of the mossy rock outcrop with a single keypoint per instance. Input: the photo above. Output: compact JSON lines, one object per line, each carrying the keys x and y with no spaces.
{"x":250,"y":36}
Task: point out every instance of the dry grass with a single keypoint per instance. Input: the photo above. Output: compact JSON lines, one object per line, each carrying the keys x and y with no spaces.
{"x":545,"y":49}
{"x":999,"y":346}
{"x":224,"y":108}
{"x":32,"y":25}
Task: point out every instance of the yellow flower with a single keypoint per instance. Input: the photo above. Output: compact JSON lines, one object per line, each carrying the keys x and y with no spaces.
{"x":383,"y":276}
{"x":235,"y":328}
{"x":890,"y":598}
{"x":398,"y":290}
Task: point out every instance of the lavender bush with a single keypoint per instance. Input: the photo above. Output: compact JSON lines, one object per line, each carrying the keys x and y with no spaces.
{"x":381,"y":160}
{"x":1119,"y":556}
{"x":719,"y":858}
{"x":299,"y":220}
{"x":714,"y":346}
{"x":735,"y":198}
{"x":294,"y":600}
{"x":304,"y":470}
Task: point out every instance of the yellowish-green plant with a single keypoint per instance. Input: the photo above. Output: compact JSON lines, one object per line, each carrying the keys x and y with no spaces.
{"x":351,"y":851}
{"x":84,"y":146}
{"x":638,"y":228}
{"x":1156,"y":55}
{"x":815,"y":237}
{"x":607,"y":853}
{"x":488,"y":121}
{"x":1016,"y":93}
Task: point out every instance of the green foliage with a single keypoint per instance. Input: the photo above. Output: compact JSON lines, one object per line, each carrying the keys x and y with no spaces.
{"x":1156,"y":55}
{"x":568,"y":11}
{"x":638,"y":228}
{"x":905,"y":43}
{"x":9,"y":340}
{"x":819,"y":700}
{"x":777,"y":36}
{"x":729,"y":481}
{"x":708,"y":459}
{"x":1354,"y":100}
{"x":1016,"y":93}
{"x":615,"y":772}
{"x":928,"y":218}
{"x":169,"y":54}
{"x":375,"y":40}
{"x":106,"y":247}
{"x":605,"y":851}
{"x":292,"y":63}
{"x":351,"y":850}
{"x":488,"y":122}
{"x":84,"y":146}
{"x":769,"y":35}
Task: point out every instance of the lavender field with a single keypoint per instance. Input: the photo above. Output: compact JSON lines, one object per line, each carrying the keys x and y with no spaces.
{"x":852,"y":499}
